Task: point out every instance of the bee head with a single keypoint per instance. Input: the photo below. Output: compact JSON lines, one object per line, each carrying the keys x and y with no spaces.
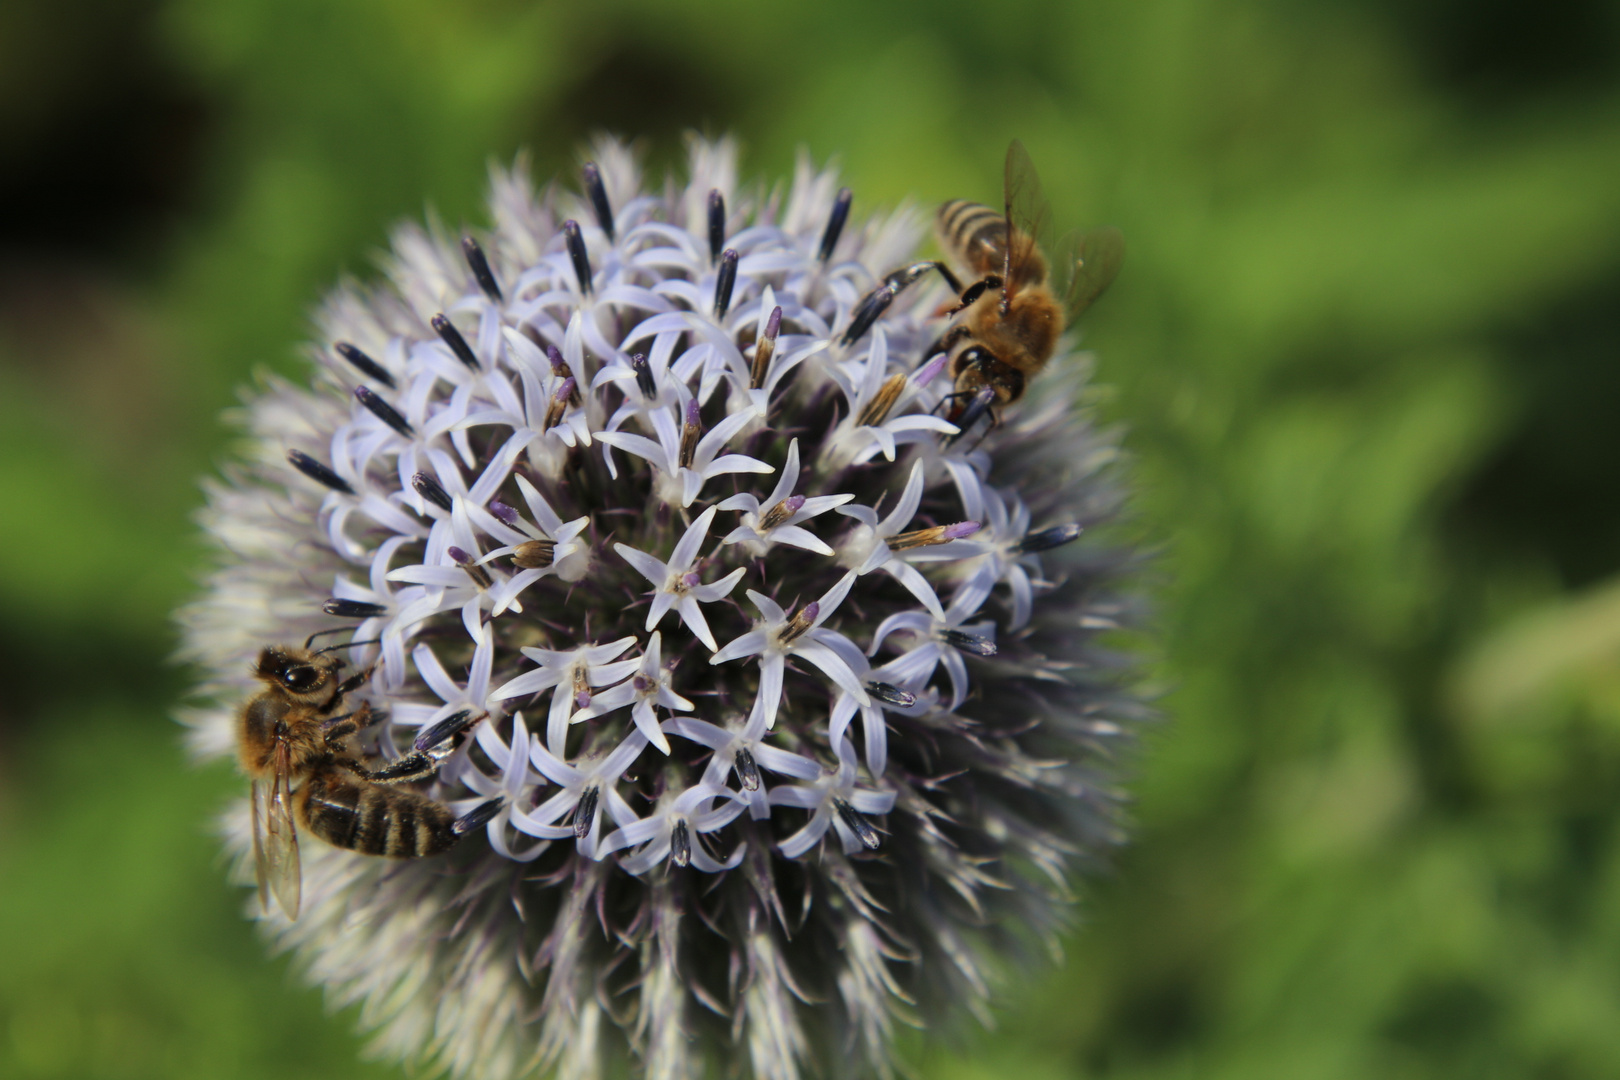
{"x":303,"y":675}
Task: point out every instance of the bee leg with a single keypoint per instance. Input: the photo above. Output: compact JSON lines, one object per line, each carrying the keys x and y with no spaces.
{"x":876,"y":302}
{"x":947,"y":340}
{"x":971,"y":294}
{"x":974,"y":411}
{"x":432,"y":747}
{"x":355,"y":681}
{"x":339,"y":728}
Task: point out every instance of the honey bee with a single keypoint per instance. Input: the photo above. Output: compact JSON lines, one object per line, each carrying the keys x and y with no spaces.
{"x":1014,"y":312}
{"x":296,"y":729}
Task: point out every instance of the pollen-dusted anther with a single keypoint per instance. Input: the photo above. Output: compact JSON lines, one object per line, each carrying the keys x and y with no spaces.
{"x":803,"y":620}
{"x":318,"y":472}
{"x":353,"y":609}
{"x":939,"y":534}
{"x":969,"y":643}
{"x":575,"y":242}
{"x":582,"y":688}
{"x":559,"y":403}
{"x":835,"y":223}
{"x":779,"y":514}
{"x":479,"y":265}
{"x":384,"y":411}
{"x":691,"y":432}
{"x":1047,"y":539}
{"x":559,"y":368}
{"x":747,"y":769}
{"x":890,"y":694}
{"x":766,"y":348}
{"x":717,"y":224}
{"x":596,"y":192}
{"x":585,"y":812}
{"x":480,"y":576}
{"x":680,"y":844}
{"x":857,"y":823}
{"x":364,"y":364}
{"x":877,"y":410}
{"x":725,"y":281}
{"x":534,"y":555}
{"x":505,"y":514}
{"x":644,"y":376}
{"x":431,"y":490}
{"x":452,"y":337}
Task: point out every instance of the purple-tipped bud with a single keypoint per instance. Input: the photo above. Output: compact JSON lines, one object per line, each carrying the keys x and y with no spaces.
{"x":801,"y":622}
{"x":927,"y":372}
{"x":961,"y":530}
{"x":457,"y":344}
{"x":461,"y":557}
{"x":765,"y":349}
{"x":431,"y":490}
{"x":691,"y":432}
{"x":558,"y":407}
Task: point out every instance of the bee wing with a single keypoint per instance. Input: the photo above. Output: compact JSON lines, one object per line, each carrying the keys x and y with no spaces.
{"x":275,"y":847}
{"x":1027,"y":218}
{"x":1086,"y":264}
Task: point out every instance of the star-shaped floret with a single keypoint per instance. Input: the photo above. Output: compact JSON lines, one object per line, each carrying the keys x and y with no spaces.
{"x":515,"y":781}
{"x":683,"y":456}
{"x":554,"y":547}
{"x":873,"y":544}
{"x":942,"y":641}
{"x":834,"y":800}
{"x":584,"y":787}
{"x":676,"y":585}
{"x":743,"y":750}
{"x":649,"y":686}
{"x":777,"y":637}
{"x":671,"y":831}
{"x":573,"y":672}
{"x":778,"y":520}
{"x":871,"y":426}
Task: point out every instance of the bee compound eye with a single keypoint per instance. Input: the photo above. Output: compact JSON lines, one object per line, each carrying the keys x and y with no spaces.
{"x":302,"y":677}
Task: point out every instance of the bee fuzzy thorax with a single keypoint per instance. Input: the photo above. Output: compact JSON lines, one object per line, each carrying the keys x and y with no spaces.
{"x":699,"y":699}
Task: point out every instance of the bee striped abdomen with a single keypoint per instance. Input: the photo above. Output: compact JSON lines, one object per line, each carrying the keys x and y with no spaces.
{"x":975,"y":233}
{"x":376,"y":820}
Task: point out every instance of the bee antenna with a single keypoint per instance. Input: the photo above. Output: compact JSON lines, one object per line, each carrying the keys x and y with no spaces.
{"x":345,"y":645}
{"x":322,"y":633}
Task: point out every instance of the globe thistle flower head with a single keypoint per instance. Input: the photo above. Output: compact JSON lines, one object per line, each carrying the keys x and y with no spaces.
{"x":782,"y":711}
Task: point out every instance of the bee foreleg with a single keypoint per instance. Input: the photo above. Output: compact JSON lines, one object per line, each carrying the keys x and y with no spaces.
{"x":876,"y":302}
{"x":338,"y":728}
{"x":971,"y":294}
{"x":354,"y":682}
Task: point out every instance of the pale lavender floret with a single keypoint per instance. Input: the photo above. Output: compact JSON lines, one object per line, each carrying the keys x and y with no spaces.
{"x":835,"y":800}
{"x":649,"y":687}
{"x":588,"y":789}
{"x":676,"y":586}
{"x":573,"y":672}
{"x":679,"y":484}
{"x":757,"y":537}
{"x":866,"y":549}
{"x":673,"y":829}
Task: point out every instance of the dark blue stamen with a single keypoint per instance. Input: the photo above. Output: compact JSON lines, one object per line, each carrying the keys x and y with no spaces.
{"x":576,"y":254}
{"x":585,"y":812}
{"x":970,"y":643}
{"x":680,"y":844}
{"x":1046,"y":539}
{"x":477,"y":817}
{"x":479,"y":265}
{"x":747,"y":769}
{"x":857,"y":823}
{"x":596,"y":191}
{"x":383,"y":411}
{"x":458,"y":344}
{"x":364,"y":364}
{"x":835,"y":224}
{"x":431,"y":490}
{"x":318,"y":472}
{"x":724,"y":282}
{"x":717,"y":224}
{"x":644,"y":375}
{"x":890,"y":694}
{"x":353,"y":609}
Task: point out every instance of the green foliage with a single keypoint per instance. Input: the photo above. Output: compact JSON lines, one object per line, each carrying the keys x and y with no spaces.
{"x":1340,"y":238}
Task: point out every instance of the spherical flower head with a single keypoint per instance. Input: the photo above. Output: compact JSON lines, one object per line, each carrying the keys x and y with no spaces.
{"x":604,"y":491}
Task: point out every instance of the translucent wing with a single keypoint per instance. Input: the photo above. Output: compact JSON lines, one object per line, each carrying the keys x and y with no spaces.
{"x":1027,"y":215}
{"x":275,"y":839}
{"x":1087,"y":264}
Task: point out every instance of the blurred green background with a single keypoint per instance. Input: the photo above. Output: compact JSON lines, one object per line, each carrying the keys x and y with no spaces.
{"x":1365,"y":346}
